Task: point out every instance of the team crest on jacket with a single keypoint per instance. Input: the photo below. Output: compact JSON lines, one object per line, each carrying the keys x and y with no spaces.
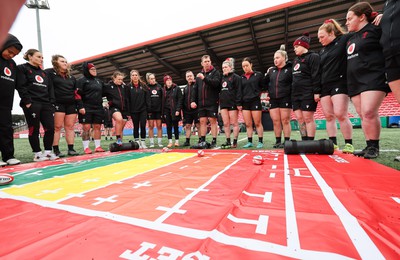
{"x":7,"y":72}
{"x":154,"y":92}
{"x":297,"y":66}
{"x":351,"y":48}
{"x":39,"y":79}
{"x":224,"y":84}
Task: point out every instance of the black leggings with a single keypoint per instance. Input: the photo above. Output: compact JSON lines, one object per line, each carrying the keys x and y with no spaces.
{"x":139,"y":120}
{"x":40,"y":113}
{"x":6,"y":135}
{"x":172,"y":122}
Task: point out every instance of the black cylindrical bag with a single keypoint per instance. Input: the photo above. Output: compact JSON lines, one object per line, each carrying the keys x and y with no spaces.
{"x":132,"y":145}
{"x":323,"y":146}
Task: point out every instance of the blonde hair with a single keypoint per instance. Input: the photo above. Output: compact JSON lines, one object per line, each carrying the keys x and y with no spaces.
{"x":331,"y":25}
{"x":148,"y":74}
{"x":283,"y":52}
{"x":230,"y":62}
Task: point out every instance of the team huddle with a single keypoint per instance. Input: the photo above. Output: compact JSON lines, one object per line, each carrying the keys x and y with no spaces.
{"x":354,"y":64}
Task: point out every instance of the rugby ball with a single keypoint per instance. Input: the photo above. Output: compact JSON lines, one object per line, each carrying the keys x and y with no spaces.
{"x":6,"y":178}
{"x":258,"y":160}
{"x":200,"y":153}
{"x":165,"y":150}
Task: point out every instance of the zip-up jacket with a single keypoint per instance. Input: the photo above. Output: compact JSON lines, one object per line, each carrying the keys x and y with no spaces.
{"x":207,"y":90}
{"x":390,"y":24}
{"x":156,"y":92}
{"x":64,"y":87}
{"x":116,"y":96}
{"x":231,"y":91}
{"x":334,"y":61}
{"x":138,"y":97}
{"x":306,"y":76}
{"x":279,"y":81}
{"x":252,"y":86}
{"x":187,"y":97}
{"x":365,"y":62}
{"x":34,"y":85}
{"x":172,"y":100}
{"x":89,"y":91}
{"x":8,"y":76}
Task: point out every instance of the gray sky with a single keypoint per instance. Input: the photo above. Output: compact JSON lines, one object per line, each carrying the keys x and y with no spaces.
{"x":79,"y":29}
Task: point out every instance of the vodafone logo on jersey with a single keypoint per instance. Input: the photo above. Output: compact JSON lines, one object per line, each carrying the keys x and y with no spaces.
{"x":224,"y":84}
{"x":297,"y":66}
{"x":351,"y":48}
{"x":154,"y":92}
{"x":39,"y":79}
{"x":7,"y":72}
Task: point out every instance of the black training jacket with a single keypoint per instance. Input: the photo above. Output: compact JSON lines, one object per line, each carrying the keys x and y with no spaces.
{"x":207,"y":90}
{"x":187,"y":98}
{"x":252,"y":86}
{"x":8,"y":76}
{"x":34,"y":85}
{"x":306,"y":76}
{"x":156,"y":93}
{"x":172,"y":100}
{"x":138,"y":97}
{"x":279,"y":81}
{"x":64,"y":87}
{"x":390,"y":24}
{"x":231,"y":91}
{"x":116,"y":96}
{"x":334,"y":61}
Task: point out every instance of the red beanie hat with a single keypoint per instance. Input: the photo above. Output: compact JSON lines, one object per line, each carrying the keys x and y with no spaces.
{"x":167,"y":77}
{"x":303,"y":40}
{"x":90,"y":65}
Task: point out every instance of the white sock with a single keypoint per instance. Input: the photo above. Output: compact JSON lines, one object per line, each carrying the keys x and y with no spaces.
{"x":97,"y":143}
{"x":170,"y":141}
{"x":46,"y":152}
{"x":151,"y":140}
{"x":85,"y":144}
{"x":159,"y":140}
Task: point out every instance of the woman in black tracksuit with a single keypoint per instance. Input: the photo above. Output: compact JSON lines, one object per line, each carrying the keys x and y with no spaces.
{"x":230,"y":98}
{"x":154,"y":110}
{"x":252,"y":86}
{"x":306,"y":88}
{"x":139,"y":101}
{"x":65,"y":107}
{"x":89,"y":97}
{"x":116,"y":93}
{"x":279,"y":81}
{"x":366,"y":79}
{"x":171,"y":108}
{"x":37,"y":99}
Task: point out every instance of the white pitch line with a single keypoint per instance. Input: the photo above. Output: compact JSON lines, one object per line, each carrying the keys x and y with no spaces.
{"x":362,"y":242}
{"x":292,"y":233}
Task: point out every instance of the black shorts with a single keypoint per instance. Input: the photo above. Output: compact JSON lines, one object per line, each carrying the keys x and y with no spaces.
{"x":91,"y":117}
{"x":253,"y":105}
{"x":154,"y":115}
{"x":392,"y":66}
{"x":285,"y":102}
{"x":231,"y":108}
{"x":334,"y":89}
{"x":208,"y":112}
{"x":68,"y":109}
{"x":108,"y":123}
{"x":305,"y":105}
{"x":114,"y":110}
{"x":190,"y":118}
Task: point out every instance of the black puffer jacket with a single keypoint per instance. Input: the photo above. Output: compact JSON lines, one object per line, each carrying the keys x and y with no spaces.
{"x":89,"y":91}
{"x":390,"y":24}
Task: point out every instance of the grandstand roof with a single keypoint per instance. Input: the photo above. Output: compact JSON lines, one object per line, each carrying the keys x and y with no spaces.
{"x":257,"y":35}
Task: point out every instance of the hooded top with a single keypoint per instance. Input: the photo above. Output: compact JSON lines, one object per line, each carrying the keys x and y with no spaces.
{"x":89,"y":92}
{"x":8,"y":74}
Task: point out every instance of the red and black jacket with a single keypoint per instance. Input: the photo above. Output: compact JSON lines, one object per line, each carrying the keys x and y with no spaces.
{"x":206,"y":91}
{"x":279,"y":81}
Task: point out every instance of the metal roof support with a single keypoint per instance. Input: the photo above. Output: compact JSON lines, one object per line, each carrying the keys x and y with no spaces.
{"x":255,"y":44}
{"x":117,"y":65}
{"x":209,"y":51}
{"x":164,"y":63}
{"x":286,"y":26}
